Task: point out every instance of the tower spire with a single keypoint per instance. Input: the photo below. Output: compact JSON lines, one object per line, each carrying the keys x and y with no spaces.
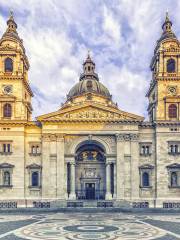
{"x":12,"y":26}
{"x":167,"y":24}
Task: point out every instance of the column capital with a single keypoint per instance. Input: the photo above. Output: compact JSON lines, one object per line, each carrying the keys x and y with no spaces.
{"x":119,"y":137}
{"x":71,"y":161}
{"x":134,"y":137}
{"x":47,"y":137}
{"x":107,"y":163}
{"x":60,"y":137}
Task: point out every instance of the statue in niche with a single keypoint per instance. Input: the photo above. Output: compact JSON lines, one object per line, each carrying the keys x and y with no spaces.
{"x":94,"y":154}
{"x":84,"y":155}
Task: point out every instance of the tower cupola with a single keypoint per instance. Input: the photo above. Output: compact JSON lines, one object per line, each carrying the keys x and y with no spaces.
{"x":12,"y":26}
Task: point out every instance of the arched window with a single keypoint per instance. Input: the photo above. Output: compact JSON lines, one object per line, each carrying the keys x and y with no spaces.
{"x":174,"y":179}
{"x":171,"y":66}
{"x":7,"y":178}
{"x":35,"y":179}
{"x":172,"y":111}
{"x":7,"y":110}
{"x":145,"y":179}
{"x":8,"y":65}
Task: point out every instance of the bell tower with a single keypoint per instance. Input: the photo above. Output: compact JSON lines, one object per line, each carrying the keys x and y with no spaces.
{"x":164,"y":90}
{"x":15,"y":92}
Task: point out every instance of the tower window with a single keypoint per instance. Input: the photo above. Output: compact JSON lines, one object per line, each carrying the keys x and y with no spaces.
{"x":172,"y":111}
{"x":8,"y":65}
{"x":7,"y":110}
{"x":171,"y":66}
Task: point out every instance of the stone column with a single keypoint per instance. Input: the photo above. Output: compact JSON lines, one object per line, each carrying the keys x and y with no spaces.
{"x":45,"y":166}
{"x":115,"y":182}
{"x":72,"y":181}
{"x":120,"y":166}
{"x":134,"y":166}
{"x":108,"y":181}
{"x":61,"y":193}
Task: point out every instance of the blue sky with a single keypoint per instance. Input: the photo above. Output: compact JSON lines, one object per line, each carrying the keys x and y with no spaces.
{"x":121,"y":35}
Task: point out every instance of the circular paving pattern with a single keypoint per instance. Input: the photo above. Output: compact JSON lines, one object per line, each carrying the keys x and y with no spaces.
{"x":90,"y":228}
{"x":79,"y":229}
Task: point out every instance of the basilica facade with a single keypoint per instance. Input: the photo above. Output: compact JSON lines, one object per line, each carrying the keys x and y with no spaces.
{"x":89,"y":152}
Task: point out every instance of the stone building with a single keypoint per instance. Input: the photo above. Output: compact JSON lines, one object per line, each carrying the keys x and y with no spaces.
{"x":89,"y":151}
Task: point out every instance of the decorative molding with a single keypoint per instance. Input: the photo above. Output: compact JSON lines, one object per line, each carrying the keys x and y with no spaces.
{"x":6,"y":165}
{"x":34,"y":166}
{"x":127,"y":137}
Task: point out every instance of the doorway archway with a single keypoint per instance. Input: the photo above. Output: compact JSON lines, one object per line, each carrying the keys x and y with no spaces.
{"x":90,"y":171}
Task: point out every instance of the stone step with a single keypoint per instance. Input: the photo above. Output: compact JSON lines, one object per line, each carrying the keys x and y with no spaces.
{"x":89,"y":204}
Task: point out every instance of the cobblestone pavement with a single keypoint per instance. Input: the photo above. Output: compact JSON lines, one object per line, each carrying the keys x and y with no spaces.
{"x":71,"y":226}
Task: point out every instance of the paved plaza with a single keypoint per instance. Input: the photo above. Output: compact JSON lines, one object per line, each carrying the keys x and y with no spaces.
{"x":71,"y":226}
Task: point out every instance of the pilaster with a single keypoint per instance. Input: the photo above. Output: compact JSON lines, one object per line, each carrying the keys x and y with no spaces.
{"x":134,"y":166}
{"x":61,"y":190}
{"x":120,"y":166}
{"x":45,"y":166}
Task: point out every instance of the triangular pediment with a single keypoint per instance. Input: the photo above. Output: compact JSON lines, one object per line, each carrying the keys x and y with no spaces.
{"x":89,"y":112}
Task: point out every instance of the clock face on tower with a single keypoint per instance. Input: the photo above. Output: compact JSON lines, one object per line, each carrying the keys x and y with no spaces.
{"x":7,"y":89}
{"x":172,"y":90}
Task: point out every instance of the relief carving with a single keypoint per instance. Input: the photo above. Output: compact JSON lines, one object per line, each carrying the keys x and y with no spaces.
{"x":127,"y":137}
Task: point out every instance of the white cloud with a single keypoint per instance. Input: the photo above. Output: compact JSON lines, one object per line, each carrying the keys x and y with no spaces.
{"x":111,"y":26}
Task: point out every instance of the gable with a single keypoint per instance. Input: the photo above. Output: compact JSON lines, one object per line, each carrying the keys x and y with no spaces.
{"x":89,"y":112}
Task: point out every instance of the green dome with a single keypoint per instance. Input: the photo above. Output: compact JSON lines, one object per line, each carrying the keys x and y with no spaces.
{"x":88,"y":85}
{"x":89,"y":82}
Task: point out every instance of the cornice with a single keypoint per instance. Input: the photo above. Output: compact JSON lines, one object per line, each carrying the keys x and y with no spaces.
{"x":92,"y":121}
{"x":146,"y":125}
{"x":166,"y":123}
{"x":19,"y":123}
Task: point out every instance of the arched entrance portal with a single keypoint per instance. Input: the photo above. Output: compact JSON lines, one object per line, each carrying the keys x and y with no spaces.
{"x":90,"y":171}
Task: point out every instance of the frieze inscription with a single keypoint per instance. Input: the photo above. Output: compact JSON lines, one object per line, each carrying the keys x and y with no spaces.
{"x":93,"y":115}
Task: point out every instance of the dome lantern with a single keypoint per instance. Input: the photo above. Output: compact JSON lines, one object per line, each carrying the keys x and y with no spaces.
{"x":89,"y":69}
{"x":89,"y":65}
